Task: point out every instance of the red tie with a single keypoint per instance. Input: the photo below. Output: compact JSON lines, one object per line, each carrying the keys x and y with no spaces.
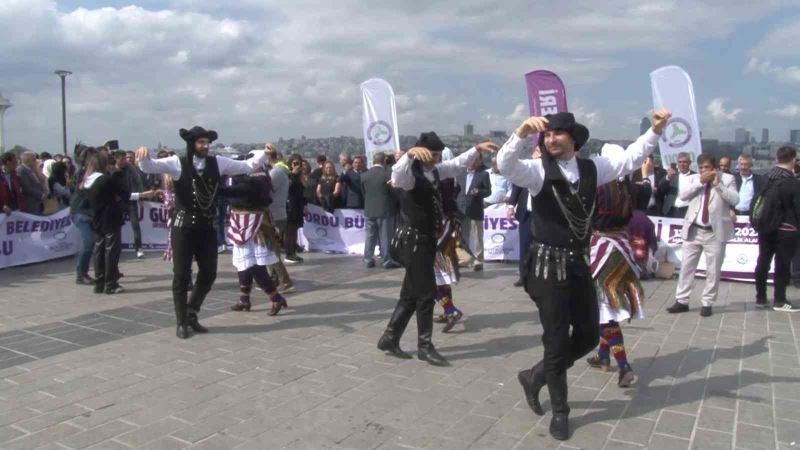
{"x":705,"y":203}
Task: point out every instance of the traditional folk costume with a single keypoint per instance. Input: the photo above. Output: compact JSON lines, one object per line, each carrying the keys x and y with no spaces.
{"x":415,"y":245}
{"x":445,"y":264}
{"x":616,"y":274}
{"x":557,"y":275}
{"x":254,"y":237}
{"x":192,"y":235}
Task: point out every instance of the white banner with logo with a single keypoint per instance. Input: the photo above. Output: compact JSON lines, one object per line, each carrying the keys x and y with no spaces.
{"x":379,"y":118}
{"x":500,"y":235}
{"x":153,"y":223}
{"x":344,"y":231}
{"x":672,"y":88}
{"x":25,"y":238}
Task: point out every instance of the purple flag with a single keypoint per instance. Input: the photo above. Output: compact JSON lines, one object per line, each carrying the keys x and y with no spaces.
{"x":546,"y":94}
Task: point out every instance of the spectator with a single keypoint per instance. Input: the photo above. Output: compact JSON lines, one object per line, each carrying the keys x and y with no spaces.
{"x":33,"y":190}
{"x":58,"y":185}
{"x":725,"y":165}
{"x":670,"y":187}
{"x":309,"y":184}
{"x":782,"y":241}
{"x":82,"y":214}
{"x":345,"y":162}
{"x":46,"y":162}
{"x":295,"y":208}
{"x":379,"y":210}
{"x":133,"y":183}
{"x":474,"y":187}
{"x":652,"y":175}
{"x":707,"y":226}
{"x":316,"y":174}
{"x":501,"y":187}
{"x":11,"y":197}
{"x":351,"y":184}
{"x":279,"y":174}
{"x":329,"y":188}
{"x":748,"y":184}
{"x":71,"y":173}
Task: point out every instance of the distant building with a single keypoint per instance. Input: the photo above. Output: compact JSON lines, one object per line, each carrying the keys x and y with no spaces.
{"x":794,"y":137}
{"x":645,"y":125}
{"x":469,"y":130}
{"x":742,"y":136}
{"x":498,"y":134}
{"x":765,"y":135}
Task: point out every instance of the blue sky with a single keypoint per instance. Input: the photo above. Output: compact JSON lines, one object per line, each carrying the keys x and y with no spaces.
{"x":256,"y":70}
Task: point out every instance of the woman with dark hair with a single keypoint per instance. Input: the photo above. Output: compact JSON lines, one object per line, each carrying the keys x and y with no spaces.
{"x":329,"y":188}
{"x":57,"y":182}
{"x":309,"y":184}
{"x":82,"y":214}
{"x":295,"y":208}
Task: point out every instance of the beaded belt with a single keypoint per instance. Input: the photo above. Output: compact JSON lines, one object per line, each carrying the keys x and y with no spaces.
{"x":544,"y":259}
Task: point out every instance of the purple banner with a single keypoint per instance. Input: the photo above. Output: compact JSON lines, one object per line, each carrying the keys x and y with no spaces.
{"x":546,"y":94}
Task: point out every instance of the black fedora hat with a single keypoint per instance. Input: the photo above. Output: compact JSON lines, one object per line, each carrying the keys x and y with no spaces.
{"x":565,"y":121}
{"x":430,"y":141}
{"x":196,"y":133}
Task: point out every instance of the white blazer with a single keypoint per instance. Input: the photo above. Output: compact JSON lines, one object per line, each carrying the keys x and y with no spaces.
{"x":723,"y":197}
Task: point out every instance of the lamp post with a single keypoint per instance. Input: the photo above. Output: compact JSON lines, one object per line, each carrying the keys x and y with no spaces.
{"x":4,"y":105}
{"x":63,"y":75}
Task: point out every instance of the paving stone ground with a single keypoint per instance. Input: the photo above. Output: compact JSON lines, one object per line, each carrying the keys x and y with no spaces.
{"x":86,"y":371}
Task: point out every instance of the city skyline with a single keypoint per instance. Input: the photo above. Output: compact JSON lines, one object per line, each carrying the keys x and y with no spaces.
{"x":259,"y":70}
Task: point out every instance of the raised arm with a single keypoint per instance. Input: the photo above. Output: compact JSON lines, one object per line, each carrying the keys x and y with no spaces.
{"x":692,"y":188}
{"x":402,"y":178}
{"x":170,"y":165}
{"x":726,"y":188}
{"x":454,"y":167}
{"x":527,"y":173}
{"x":231,"y":167}
{"x":620,"y":163}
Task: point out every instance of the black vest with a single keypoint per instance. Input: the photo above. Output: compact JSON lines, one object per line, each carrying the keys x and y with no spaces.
{"x":549,"y":226}
{"x":195,"y":193}
{"x":422,"y":206}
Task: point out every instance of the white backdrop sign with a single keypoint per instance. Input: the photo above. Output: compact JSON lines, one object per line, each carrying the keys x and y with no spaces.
{"x":25,"y":238}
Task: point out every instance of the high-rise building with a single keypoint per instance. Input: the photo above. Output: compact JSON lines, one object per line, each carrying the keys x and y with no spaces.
{"x":794,"y":137}
{"x":741,"y":136}
{"x":765,"y":135}
{"x":469,"y":130}
{"x":645,"y":125}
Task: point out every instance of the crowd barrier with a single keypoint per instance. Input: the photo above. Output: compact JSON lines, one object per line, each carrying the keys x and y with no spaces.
{"x":26,"y":238}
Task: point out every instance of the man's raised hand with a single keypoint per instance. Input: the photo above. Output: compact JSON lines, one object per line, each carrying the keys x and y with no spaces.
{"x":421,"y":154}
{"x":660,"y":118}
{"x":532,"y":125}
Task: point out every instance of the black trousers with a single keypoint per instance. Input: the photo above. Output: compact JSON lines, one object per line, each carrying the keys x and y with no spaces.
{"x":133,"y":215}
{"x":417,"y":294}
{"x":106,"y":253}
{"x":781,"y":245}
{"x":565,"y":304}
{"x":188,"y":243}
{"x":524,"y":243}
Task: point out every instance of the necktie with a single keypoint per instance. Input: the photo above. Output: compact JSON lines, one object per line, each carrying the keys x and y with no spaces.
{"x":705,"y":203}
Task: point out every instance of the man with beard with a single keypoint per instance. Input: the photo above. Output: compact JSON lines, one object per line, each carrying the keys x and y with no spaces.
{"x":197,"y":179}
{"x":417,"y":176}
{"x":558,"y":279}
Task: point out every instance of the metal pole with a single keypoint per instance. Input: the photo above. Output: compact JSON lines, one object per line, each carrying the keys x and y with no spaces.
{"x":64,"y":112}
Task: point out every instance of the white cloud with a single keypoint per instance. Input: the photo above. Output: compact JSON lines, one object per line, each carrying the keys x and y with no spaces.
{"x":785,"y":74}
{"x":777,"y":44}
{"x":519,"y":114}
{"x":717,"y":112}
{"x":788,"y":111}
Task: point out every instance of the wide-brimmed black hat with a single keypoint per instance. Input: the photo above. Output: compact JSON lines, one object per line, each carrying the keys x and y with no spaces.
{"x":430,"y":141}
{"x":565,"y":121}
{"x":196,"y":133}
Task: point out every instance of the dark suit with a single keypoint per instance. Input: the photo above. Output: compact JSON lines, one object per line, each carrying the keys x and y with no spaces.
{"x":379,"y":210}
{"x":519,"y":199}
{"x":471,"y":205}
{"x":32,"y":190}
{"x":668,"y":190}
{"x":659,"y":174}
{"x":758,"y":184}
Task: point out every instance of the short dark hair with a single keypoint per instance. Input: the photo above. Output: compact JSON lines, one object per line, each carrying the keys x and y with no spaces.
{"x":706,"y":157}
{"x":6,"y":157}
{"x":379,"y":158}
{"x":786,"y":154}
{"x":321,"y":159}
{"x":45,"y":155}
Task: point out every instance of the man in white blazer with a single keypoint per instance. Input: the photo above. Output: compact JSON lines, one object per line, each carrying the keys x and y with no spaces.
{"x":706,"y":228}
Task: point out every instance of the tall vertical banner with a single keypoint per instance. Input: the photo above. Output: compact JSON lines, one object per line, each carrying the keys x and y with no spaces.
{"x":379,"y":119}
{"x":672,"y":88}
{"x":546,"y":94}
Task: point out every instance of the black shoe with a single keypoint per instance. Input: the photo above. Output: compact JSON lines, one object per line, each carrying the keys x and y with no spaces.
{"x":293,"y":259}
{"x":518,"y":283}
{"x":388,"y":344}
{"x":477,"y":267}
{"x":626,"y":377}
{"x":194,"y":324}
{"x":391,"y":265}
{"x":99,"y":288}
{"x":705,"y":311}
{"x":762,"y":303}
{"x":532,"y":381}
{"x":183,"y":332}
{"x":677,"y":307}
{"x":431,"y":356}
{"x":559,"y":426}
{"x":785,"y":307}
{"x":451,"y":321}
{"x":370,"y":263}
{"x":114,"y":289}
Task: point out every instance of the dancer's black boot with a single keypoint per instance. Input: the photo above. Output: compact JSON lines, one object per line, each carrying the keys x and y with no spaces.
{"x":532,"y":381}
{"x":559,"y":424}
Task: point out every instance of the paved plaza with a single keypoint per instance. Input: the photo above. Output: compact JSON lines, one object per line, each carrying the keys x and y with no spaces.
{"x":86,"y":371}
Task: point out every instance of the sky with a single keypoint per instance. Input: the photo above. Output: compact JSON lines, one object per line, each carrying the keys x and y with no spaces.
{"x":258,"y":70}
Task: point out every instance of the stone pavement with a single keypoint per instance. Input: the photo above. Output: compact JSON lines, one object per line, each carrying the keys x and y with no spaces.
{"x":79,"y":370}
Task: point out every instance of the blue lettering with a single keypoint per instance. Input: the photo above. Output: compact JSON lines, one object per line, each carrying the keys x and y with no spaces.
{"x":8,"y":248}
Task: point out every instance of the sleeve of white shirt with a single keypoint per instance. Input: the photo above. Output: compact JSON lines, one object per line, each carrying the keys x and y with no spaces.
{"x":402,"y":177}
{"x":454,"y":167}
{"x":170,"y":165}
{"x":619,"y":164}
{"x":230,"y":167}
{"x":527,"y":173}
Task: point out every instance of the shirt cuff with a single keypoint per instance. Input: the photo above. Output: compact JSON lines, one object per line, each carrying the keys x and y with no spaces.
{"x":134,"y":197}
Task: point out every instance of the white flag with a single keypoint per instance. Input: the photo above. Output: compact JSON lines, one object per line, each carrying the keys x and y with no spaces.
{"x":379,"y":120}
{"x":672,"y":88}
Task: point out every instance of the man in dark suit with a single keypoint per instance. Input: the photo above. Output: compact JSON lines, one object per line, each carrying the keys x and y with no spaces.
{"x":748,"y":184}
{"x":652,"y":175}
{"x":379,"y":210}
{"x":33,"y":190}
{"x":352,"y":194}
{"x":519,"y":208}
{"x":475,"y":185}
{"x":668,"y":188}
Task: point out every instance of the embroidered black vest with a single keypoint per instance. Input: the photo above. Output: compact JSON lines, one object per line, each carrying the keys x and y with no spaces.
{"x":195,"y":194}
{"x":422,"y":206}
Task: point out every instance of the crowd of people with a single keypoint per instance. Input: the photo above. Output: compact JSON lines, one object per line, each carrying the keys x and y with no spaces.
{"x":586,"y":239}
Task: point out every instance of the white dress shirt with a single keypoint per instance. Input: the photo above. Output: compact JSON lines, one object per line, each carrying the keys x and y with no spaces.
{"x":529,"y":173}
{"x":501,"y":188}
{"x":172,"y":165}
{"x":403,"y":178}
{"x":746,"y":191}
{"x":652,"y":201}
{"x":683,"y":180}
{"x":470,"y":177}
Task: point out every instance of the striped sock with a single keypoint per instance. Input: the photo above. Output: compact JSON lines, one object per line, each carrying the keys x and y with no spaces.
{"x":444,"y":297}
{"x":616,"y":343}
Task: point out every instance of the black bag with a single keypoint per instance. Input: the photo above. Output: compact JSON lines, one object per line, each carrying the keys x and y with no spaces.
{"x":403,"y":237}
{"x":767,"y":213}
